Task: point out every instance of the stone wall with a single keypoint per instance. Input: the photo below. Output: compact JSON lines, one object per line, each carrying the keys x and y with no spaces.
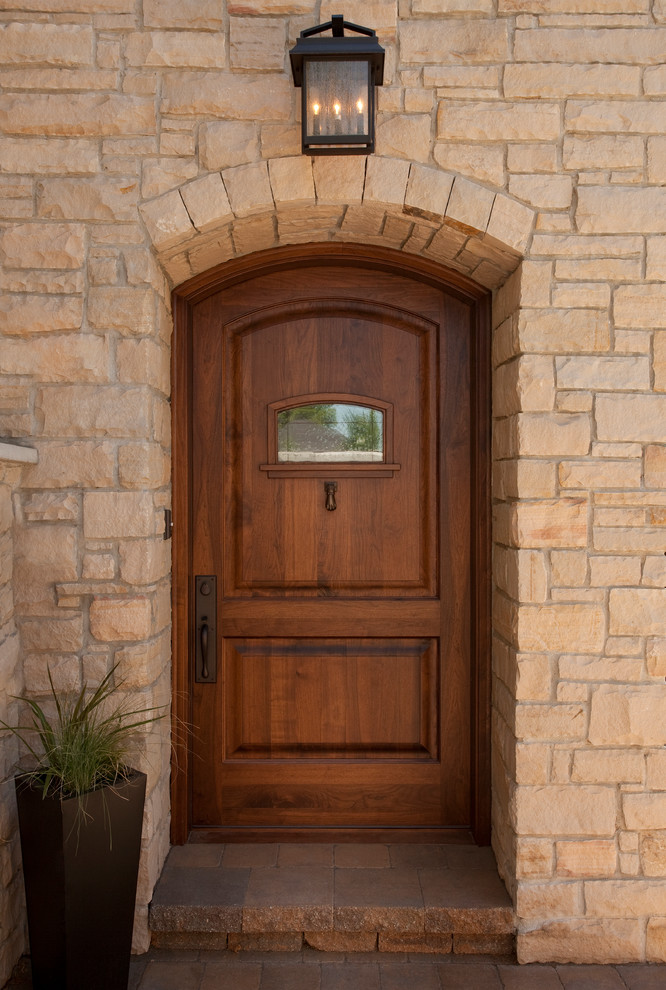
{"x":148,"y":140}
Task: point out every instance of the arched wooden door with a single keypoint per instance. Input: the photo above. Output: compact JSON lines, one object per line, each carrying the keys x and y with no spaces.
{"x":331,"y":582}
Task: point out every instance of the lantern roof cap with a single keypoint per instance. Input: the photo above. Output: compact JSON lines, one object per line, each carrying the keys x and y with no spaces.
{"x":338,"y":46}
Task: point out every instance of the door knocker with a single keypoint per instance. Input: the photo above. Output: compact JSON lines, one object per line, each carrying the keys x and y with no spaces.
{"x":331,"y":487}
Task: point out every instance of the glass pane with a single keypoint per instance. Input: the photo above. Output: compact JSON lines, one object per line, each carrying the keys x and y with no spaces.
{"x":337,"y":98}
{"x":331,"y":432}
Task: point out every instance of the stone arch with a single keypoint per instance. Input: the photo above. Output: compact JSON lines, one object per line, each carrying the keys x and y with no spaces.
{"x":445,"y":217}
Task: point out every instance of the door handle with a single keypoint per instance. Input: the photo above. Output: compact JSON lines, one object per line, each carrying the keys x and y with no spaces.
{"x":205,"y":618}
{"x":204,"y":651}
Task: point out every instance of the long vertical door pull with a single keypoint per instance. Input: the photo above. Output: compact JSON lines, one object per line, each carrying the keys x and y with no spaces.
{"x":205,"y":670}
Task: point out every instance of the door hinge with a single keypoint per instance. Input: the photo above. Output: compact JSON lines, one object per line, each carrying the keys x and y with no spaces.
{"x":168,"y":524}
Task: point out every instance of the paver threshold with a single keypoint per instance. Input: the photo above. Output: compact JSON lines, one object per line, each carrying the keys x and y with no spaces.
{"x":332,"y":897}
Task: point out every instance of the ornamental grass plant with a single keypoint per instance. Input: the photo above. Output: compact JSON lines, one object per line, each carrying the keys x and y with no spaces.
{"x":84,"y":745}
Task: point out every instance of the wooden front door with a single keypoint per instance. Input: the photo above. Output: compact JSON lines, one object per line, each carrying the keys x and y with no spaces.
{"x":333,"y":521}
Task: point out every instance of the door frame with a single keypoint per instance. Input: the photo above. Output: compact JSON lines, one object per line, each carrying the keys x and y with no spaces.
{"x":184,"y":298}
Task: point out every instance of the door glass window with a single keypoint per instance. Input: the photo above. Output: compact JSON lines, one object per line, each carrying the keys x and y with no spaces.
{"x":330,"y":431}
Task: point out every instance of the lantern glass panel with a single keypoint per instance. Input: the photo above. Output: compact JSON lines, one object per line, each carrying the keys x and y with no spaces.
{"x":338,"y":97}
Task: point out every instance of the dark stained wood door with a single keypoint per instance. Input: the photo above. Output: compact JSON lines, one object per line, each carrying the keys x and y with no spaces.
{"x":344,"y":696}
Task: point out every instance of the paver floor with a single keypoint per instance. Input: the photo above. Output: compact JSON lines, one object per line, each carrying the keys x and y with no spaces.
{"x":165,"y":969}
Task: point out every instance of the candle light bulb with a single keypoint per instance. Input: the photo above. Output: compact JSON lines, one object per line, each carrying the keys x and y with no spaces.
{"x":316,"y":126}
{"x":315,"y":108}
{"x":359,"y":106}
{"x":337,"y":108}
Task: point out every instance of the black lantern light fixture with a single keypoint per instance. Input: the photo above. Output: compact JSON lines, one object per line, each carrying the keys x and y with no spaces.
{"x":337,"y":75}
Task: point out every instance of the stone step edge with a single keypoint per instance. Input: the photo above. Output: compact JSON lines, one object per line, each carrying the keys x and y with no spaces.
{"x":497,"y":944}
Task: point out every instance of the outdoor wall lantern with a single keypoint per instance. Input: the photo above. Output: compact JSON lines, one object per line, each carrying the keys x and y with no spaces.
{"x":337,"y":76}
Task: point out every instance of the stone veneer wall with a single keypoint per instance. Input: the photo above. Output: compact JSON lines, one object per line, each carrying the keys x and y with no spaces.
{"x":147,"y":140}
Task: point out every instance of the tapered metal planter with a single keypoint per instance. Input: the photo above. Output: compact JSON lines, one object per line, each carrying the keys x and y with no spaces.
{"x":80,"y":866}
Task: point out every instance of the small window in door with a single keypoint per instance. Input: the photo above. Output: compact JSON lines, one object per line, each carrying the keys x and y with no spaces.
{"x":308,"y":434}
{"x":330,"y":432}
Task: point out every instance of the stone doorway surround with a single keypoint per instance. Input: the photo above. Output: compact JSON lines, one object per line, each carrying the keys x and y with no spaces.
{"x":578,"y":763}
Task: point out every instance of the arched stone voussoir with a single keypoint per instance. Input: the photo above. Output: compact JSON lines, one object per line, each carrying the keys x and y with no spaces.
{"x":407,"y":206}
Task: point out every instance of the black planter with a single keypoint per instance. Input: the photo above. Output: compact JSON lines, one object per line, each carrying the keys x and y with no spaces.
{"x":80,"y":872}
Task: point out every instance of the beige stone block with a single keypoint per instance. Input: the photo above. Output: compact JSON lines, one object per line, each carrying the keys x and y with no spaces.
{"x":497,"y":121}
{"x":603,"y":372}
{"x":204,"y":15}
{"x":121,"y":619}
{"x":656,"y":770}
{"x":554,"y":81}
{"x":656,"y":258}
{"x":524,"y":385}
{"x":144,"y":561}
{"x":569,"y":247}
{"x":167,"y":221}
{"x":469,"y":204}
{"x":386,"y":181}
{"x":553,"y":434}
{"x":569,"y":568}
{"x":563,"y":330}
{"x":143,"y":362}
{"x":593,"y":45}
{"x":627,"y":715}
{"x":227,"y":95}
{"x":595,"y":474}
{"x":608,"y":766}
{"x":25,"y":315}
{"x":257,"y":44}
{"x":555,"y":723}
{"x":615,"y":116}
{"x":65,"y":671}
{"x":249,"y":189}
{"x":139,"y":666}
{"x":611,"y":269}
{"x":404,"y":136}
{"x":631,"y":417}
{"x":158,"y":177}
{"x":94,"y":410}
{"x":49,"y":155}
{"x":143,"y":465}
{"x":226,"y":143}
{"x":428,"y":191}
{"x":44,"y":634}
{"x":339,"y":180}
{"x":43,"y":245}
{"x":50,"y":44}
{"x":207,"y":202}
{"x":80,"y":464}
{"x":291,"y":181}
{"x":525,"y":479}
{"x":176,"y":48}
{"x":99,"y":567}
{"x":653,"y":854}
{"x":100,"y":198}
{"x":625,"y":898}
{"x":626,"y":540}
{"x":522,"y":574}
{"x":74,"y":358}
{"x":640,"y":305}
{"x":281,"y":139}
{"x":582,"y":941}
{"x":534,"y":858}
{"x":532,"y":158}
{"x":558,"y":628}
{"x":659,"y":362}
{"x":510,"y":222}
{"x":465,"y":41}
{"x":109,"y":515}
{"x":551,"y":899}
{"x":532,"y":763}
{"x":606,"y":209}
{"x":76,"y":114}
{"x":43,"y":554}
{"x":130,"y":310}
{"x":533,"y":678}
{"x":485,"y":163}
{"x":657,"y":160}
{"x":613,"y":570}
{"x":275,"y":7}
{"x":51,"y":507}
{"x":655,"y":466}
{"x":587,"y":152}
{"x":549,"y":523}
{"x":654,"y":571}
{"x":638,"y":611}
{"x":565,"y":810}
{"x":655,"y":940}
{"x":546,"y":192}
